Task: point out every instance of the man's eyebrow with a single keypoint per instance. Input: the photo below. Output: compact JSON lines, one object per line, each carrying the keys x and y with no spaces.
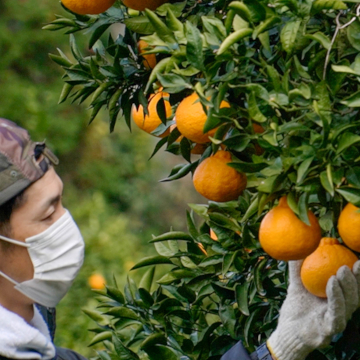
{"x":51,"y":201}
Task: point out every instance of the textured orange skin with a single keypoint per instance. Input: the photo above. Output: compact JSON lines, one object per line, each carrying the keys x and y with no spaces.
{"x":149,"y":60}
{"x":150,"y":122}
{"x":141,"y":5}
{"x":97,"y":281}
{"x":285,"y":237}
{"x":88,"y":7}
{"x":323,"y":263}
{"x":217,"y":181}
{"x":191,"y":118}
{"x":349,"y":226}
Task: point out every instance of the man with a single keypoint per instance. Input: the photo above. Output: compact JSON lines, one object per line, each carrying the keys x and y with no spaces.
{"x":41,"y":248}
{"x":41,"y":251}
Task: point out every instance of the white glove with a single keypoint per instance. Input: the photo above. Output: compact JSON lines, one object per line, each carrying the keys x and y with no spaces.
{"x":308,"y":322}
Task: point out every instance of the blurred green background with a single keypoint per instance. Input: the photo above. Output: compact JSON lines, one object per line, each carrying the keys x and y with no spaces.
{"x":111,"y":188}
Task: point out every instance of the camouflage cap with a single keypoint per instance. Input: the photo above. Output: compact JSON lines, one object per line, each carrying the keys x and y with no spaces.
{"x":20,"y":160}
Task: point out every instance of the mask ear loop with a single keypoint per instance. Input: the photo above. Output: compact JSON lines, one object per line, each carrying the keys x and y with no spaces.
{"x":8,"y":278}
{"x":16,"y":242}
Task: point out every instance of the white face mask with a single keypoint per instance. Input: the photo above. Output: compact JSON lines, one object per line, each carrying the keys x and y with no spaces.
{"x":57,"y":255}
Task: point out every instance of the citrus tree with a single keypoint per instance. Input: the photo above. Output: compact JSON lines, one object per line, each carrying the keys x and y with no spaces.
{"x":260,"y":99}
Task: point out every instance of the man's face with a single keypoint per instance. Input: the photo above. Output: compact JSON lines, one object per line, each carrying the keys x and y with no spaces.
{"x":41,"y":207}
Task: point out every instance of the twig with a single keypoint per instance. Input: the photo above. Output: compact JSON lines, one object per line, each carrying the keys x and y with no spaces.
{"x":338,"y":27}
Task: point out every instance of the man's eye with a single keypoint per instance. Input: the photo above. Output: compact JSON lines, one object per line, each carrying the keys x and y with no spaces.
{"x":48,"y":217}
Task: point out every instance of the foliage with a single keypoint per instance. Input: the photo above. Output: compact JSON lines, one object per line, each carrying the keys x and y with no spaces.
{"x":116,"y":216}
{"x":291,"y":66}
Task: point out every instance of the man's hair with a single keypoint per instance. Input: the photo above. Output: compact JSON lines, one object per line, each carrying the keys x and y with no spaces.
{"x":5,"y":214}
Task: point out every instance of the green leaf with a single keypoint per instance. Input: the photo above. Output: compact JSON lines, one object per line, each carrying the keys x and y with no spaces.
{"x":172,"y":235}
{"x":350,"y":194}
{"x":353,"y":100}
{"x":140,"y":25}
{"x":181,"y":172}
{"x":325,"y":182}
{"x":164,"y":33}
{"x":94,"y":315}
{"x":303,"y":169}
{"x":346,"y":140}
{"x":353,"y":32}
{"x":156,"y":338}
{"x":114,"y":293}
{"x":105,"y":335}
{"x":258,"y":272}
{"x":237,"y":142}
{"x":65,"y":92}
{"x":74,"y":49}
{"x":241,"y":9}
{"x":152,"y":260}
{"x":232,"y":39}
{"x":288,"y":35}
{"x":241,"y":293}
{"x":123,"y":352}
{"x":320,"y":38}
{"x":96,"y":34}
{"x":266,"y":25}
{"x":345,"y":69}
{"x":303,"y":208}
{"x":162,"y":352}
{"x":254,"y":111}
{"x":122,"y":312}
{"x":194,"y":50}
{"x":173,"y":83}
{"x":319,"y":5}
{"x":248,"y":167}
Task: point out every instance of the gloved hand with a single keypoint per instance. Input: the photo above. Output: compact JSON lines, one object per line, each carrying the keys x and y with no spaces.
{"x":307,"y":322}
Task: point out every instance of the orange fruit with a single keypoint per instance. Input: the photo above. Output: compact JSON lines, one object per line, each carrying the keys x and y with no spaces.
{"x":323,"y":263}
{"x":91,"y":7}
{"x":149,"y":60}
{"x":258,"y":129}
{"x":217,"y":181}
{"x":213,"y":235}
{"x":285,"y":237}
{"x":150,"y":122}
{"x":349,"y":226}
{"x":97,"y":281}
{"x":141,"y":5}
{"x":191,"y":118}
{"x":201,"y":247}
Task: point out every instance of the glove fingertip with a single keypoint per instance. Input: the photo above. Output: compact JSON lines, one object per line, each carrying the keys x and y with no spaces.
{"x":333,"y":288}
{"x":356,"y":268}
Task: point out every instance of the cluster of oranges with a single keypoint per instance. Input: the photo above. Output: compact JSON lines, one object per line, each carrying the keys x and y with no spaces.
{"x":213,"y":178}
{"x":285,"y":237}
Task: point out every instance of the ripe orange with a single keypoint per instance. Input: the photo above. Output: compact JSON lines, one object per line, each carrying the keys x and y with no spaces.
{"x":91,"y":7}
{"x":213,"y":235}
{"x":97,"y":281}
{"x":150,"y":122}
{"x":349,"y":226}
{"x":258,"y":129}
{"x":217,"y":181}
{"x":323,"y":263}
{"x":141,"y":5}
{"x":285,"y":237}
{"x":149,"y":60}
{"x":191,"y":118}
